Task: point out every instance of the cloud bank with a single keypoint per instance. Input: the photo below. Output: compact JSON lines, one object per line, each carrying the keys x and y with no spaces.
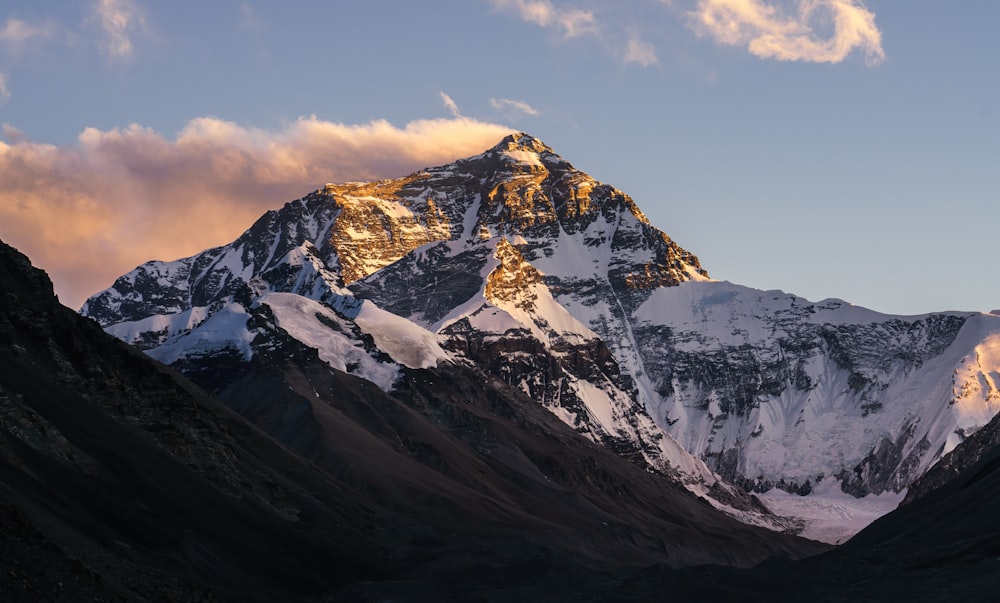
{"x":769,"y":32}
{"x":90,"y":211}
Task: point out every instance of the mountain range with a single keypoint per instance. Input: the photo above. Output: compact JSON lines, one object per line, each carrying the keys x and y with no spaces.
{"x":491,"y":379}
{"x":527,"y":268}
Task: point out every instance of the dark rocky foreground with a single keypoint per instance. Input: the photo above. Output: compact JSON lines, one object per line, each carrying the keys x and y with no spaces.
{"x":122,"y":481}
{"x":943,"y":546}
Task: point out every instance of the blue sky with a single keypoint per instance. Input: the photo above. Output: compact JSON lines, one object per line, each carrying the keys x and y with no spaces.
{"x":829,"y":148}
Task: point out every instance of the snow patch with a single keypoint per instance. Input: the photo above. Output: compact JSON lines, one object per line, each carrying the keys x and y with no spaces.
{"x":830,"y":515}
{"x":168,"y":325}
{"x":309,"y":322}
{"x":598,"y":404}
{"x":404,"y":341}
{"x":226,"y":329}
{"x":525,"y":157}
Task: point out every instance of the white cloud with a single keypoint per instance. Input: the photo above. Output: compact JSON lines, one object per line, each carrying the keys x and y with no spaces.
{"x":118,"y":20}
{"x":450,"y":104}
{"x":511,"y":109}
{"x":641,"y":52}
{"x":124,"y":196}
{"x":571,"y":22}
{"x":790,"y":35}
{"x":4,"y":92}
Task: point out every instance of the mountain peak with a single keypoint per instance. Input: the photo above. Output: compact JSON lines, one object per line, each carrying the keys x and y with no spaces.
{"x":521,"y":141}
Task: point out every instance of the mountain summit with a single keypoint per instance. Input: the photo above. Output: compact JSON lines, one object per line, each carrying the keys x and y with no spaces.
{"x":462,"y":261}
{"x":518,"y":264}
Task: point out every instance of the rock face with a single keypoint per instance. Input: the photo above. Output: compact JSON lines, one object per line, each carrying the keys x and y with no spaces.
{"x":556,"y":284}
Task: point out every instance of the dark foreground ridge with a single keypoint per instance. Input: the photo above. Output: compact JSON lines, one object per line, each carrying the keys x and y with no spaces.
{"x":122,"y":481}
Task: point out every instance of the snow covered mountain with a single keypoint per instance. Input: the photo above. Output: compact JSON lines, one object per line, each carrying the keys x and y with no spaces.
{"x":772,"y":387}
{"x":443,"y":254}
{"x":517,"y":263}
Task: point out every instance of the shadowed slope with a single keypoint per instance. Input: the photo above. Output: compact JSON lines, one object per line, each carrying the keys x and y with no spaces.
{"x":136,"y":484}
{"x":143,"y":478}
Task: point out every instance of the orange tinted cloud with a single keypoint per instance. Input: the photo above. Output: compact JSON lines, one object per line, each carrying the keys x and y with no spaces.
{"x":770,"y":32}
{"x":91,"y":211}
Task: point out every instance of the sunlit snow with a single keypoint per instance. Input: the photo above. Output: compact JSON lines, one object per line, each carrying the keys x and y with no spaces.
{"x":226,"y":329}
{"x":526,"y":157}
{"x":300,"y":317}
{"x":404,"y":341}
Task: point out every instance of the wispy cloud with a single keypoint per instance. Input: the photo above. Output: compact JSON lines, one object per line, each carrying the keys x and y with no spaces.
{"x":90,"y":211}
{"x":769,"y":32}
{"x":450,"y":104}
{"x":15,"y":36}
{"x":248,"y":18}
{"x":15,"y":33}
{"x":641,"y":52}
{"x":614,"y":30}
{"x":118,"y":20}
{"x":571,"y":22}
{"x":512,"y":109}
